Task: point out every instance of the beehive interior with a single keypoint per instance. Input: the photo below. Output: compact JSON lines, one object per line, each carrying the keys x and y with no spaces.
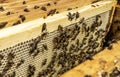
{"x":47,"y":52}
{"x":63,"y":57}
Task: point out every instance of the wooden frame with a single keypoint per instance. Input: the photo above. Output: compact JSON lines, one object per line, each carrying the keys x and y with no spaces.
{"x":17,"y":8}
{"x":28,"y":29}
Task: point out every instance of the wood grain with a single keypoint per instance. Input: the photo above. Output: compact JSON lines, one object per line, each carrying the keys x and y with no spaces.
{"x":16,"y":8}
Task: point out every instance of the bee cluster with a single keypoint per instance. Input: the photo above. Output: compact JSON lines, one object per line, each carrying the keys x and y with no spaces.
{"x":52,"y":54}
{"x":118,"y":1}
{"x":114,"y":73}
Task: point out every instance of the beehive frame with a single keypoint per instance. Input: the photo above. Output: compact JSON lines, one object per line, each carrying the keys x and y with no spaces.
{"x":17,"y":42}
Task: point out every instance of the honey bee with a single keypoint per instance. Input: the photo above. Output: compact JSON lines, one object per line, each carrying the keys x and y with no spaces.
{"x":7,"y":67}
{"x":104,"y":74}
{"x":69,"y":9}
{"x":43,"y":8}
{"x":8,"y":13}
{"x":87,"y":76}
{"x":45,"y":47}
{"x":33,"y":46}
{"x":57,"y":12}
{"x":1,"y":57}
{"x":11,"y":56}
{"x":2,"y":8}
{"x":51,"y":12}
{"x":44,"y":62}
{"x":26,"y":10}
{"x":55,"y":3}
{"x":31,"y":70}
{"x":70,"y":16}
{"x":43,"y":35}
{"x":82,"y":20}
{"x":60,"y":28}
{"x":93,"y":5}
{"x":110,"y":47}
{"x":36,"y":7}
{"x":97,"y":17}
{"x":24,"y":2}
{"x":17,"y":22}
{"x":20,"y":63}
{"x":36,"y":52}
{"x":48,"y":4}
{"x":23,"y":18}
{"x":72,"y":47}
{"x":77,"y":42}
{"x":77,"y":27}
{"x":77,"y":15}
{"x":44,"y":27}
{"x":38,"y":39}
{"x":3,"y":24}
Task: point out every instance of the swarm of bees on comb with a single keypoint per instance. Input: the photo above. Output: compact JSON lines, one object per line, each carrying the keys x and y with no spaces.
{"x":51,"y":54}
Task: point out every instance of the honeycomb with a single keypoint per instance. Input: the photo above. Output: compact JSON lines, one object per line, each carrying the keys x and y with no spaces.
{"x":52,"y":53}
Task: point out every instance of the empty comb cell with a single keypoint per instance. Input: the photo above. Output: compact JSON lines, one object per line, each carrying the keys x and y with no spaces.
{"x":49,"y":47}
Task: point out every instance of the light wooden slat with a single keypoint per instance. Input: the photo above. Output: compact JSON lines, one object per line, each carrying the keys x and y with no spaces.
{"x":34,"y":14}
